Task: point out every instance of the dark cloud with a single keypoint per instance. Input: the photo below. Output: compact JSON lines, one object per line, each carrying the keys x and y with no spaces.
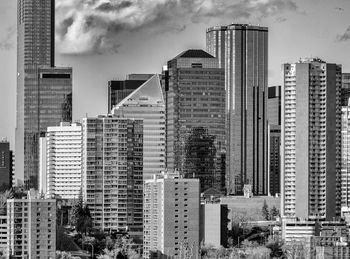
{"x":7,"y":42}
{"x":108,"y":7}
{"x":93,"y":26}
{"x":345,"y":36}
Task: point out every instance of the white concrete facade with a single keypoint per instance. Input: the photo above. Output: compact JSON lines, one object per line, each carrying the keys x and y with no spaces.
{"x":63,"y":160}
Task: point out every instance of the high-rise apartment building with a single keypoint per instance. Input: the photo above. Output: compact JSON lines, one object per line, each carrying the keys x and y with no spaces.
{"x":311,"y":139}
{"x":31,"y":227}
{"x":119,"y":89}
{"x":345,"y":157}
{"x":112,"y":167}
{"x":62,"y":160}
{"x":44,"y":92}
{"x":242,"y":51}
{"x":147,"y":104}
{"x":274,"y":139}
{"x":6,"y":165}
{"x":171,"y":217}
{"x":345,"y":142}
{"x":195,"y":122}
{"x":345,"y":91}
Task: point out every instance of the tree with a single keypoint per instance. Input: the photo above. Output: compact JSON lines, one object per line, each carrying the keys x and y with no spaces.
{"x":265,"y":211}
{"x":297,"y":249}
{"x":80,"y":216}
{"x":76,"y":207}
{"x":8,"y":194}
{"x":63,"y":255}
{"x":277,"y":248}
{"x":123,"y":248}
{"x":84,"y":220}
{"x":274,"y":213}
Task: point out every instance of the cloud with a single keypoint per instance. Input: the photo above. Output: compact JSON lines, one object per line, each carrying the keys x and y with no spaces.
{"x":281,"y":19}
{"x":86,"y":27}
{"x":6,"y":43}
{"x":345,"y":36}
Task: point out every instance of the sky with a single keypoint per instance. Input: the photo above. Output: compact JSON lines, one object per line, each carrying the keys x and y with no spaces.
{"x":107,"y":39}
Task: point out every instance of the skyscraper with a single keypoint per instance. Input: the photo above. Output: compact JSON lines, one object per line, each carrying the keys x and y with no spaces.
{"x":112,"y":165}
{"x":6,"y":165}
{"x":311,"y":139}
{"x":44,"y":92}
{"x":243,"y":51}
{"x":274,"y":138}
{"x":119,"y":89}
{"x":147,"y":103}
{"x":171,"y":217}
{"x":195,"y":122}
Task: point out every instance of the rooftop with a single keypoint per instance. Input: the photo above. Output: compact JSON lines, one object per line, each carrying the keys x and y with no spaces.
{"x":234,"y":26}
{"x":194,"y":53}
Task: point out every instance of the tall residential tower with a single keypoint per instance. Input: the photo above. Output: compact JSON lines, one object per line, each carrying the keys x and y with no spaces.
{"x":112,"y":167}
{"x":242,"y":50}
{"x":44,"y":92}
{"x":311,"y":140}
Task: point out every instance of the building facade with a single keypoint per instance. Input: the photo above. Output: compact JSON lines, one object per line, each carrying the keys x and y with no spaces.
{"x":214,"y":224}
{"x":120,"y":89}
{"x":6,"y":165}
{"x":147,"y":104}
{"x":171,"y":216}
{"x":3,"y":233}
{"x":31,"y":227}
{"x":345,"y":91}
{"x":112,"y":173}
{"x":274,"y":139}
{"x":242,"y":51}
{"x":44,"y":92}
{"x":63,"y":161}
{"x":345,"y":157}
{"x":195,"y":123}
{"x":311,"y":139}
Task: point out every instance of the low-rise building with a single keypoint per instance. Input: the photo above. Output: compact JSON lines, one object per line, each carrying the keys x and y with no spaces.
{"x":171,"y":217}
{"x":3,"y":234}
{"x":316,"y":237}
{"x":213,"y":224}
{"x":31,"y":227}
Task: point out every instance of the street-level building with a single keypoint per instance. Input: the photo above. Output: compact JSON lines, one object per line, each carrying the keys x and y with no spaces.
{"x":31,"y":227}
{"x":171,"y":217}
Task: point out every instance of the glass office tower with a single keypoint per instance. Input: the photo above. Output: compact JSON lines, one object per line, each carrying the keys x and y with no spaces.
{"x":242,"y":50}
{"x":44,"y":92}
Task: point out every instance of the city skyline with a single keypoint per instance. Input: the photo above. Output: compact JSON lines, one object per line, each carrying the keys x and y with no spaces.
{"x":327,"y":40}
